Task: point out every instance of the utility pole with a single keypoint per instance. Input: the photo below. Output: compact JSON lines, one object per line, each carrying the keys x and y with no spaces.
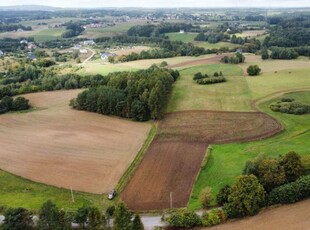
{"x":171,"y":200}
{"x":72,"y":196}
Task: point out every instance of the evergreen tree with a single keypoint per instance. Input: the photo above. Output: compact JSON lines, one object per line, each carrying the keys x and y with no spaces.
{"x":122,"y":218}
{"x":137,"y":223}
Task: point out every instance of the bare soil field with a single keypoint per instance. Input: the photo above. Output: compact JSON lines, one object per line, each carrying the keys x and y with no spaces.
{"x":290,"y":217}
{"x":173,"y":160}
{"x":252,"y":33}
{"x":168,"y":166}
{"x":210,"y":60}
{"x":217,"y":127}
{"x":59,"y":146}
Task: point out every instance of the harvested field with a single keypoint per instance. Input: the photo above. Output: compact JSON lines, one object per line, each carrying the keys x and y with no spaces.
{"x":217,"y":127}
{"x":168,"y":166}
{"x":67,"y":148}
{"x":210,"y":60}
{"x":292,"y":217}
{"x":173,"y":160}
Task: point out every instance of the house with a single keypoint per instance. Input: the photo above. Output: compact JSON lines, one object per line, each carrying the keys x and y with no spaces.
{"x":239,"y":51}
{"x":76,"y":47}
{"x":182,"y":31}
{"x":106,"y":55}
{"x":31,"y":46}
{"x":89,"y":43}
{"x":1,"y":53}
{"x":228,"y":30}
{"x":20,"y":30}
{"x":83,"y":51}
{"x":23,"y":42}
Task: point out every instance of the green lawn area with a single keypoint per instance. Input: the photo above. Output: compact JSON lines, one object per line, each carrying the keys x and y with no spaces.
{"x":48,"y":34}
{"x":104,"y":68}
{"x":185,"y":37}
{"x":227,"y":161}
{"x":232,"y":95}
{"x":18,"y":192}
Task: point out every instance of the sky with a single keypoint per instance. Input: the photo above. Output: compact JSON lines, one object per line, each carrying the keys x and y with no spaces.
{"x":160,"y":3}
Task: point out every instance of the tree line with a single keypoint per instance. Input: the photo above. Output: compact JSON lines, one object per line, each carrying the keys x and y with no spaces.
{"x":50,"y":217}
{"x":140,"y":95}
{"x":10,"y":27}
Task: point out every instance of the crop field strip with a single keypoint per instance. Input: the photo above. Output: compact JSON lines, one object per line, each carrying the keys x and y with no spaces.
{"x":59,"y":146}
{"x":173,"y":160}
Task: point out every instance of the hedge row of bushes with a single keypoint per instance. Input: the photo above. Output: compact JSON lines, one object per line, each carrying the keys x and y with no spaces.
{"x":8,"y":104}
{"x":291,"y":192}
{"x":290,"y":106}
{"x":189,"y":219}
{"x":211,"y":80}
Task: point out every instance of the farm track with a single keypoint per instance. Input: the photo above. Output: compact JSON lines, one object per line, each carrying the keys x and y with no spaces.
{"x":173,"y":160}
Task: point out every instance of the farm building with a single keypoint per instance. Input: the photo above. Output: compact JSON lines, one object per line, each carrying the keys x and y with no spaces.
{"x":31,"y":46}
{"x":89,"y":43}
{"x":23,"y":41}
{"x":83,"y":51}
{"x":182,"y":31}
{"x":1,"y":53}
{"x":106,"y":55}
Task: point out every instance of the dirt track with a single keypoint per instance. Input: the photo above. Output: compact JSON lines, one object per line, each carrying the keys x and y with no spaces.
{"x":289,"y":217}
{"x":172,"y":162}
{"x":67,"y":148}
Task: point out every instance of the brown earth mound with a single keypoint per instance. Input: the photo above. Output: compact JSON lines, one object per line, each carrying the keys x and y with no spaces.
{"x":67,"y":148}
{"x":173,"y":160}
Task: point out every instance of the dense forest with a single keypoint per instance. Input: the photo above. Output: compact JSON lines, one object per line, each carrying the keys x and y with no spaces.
{"x":140,"y":95}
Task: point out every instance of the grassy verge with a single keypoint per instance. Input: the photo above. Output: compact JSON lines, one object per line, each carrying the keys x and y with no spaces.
{"x":133,"y":166}
{"x":227,"y":161}
{"x":19,"y":192}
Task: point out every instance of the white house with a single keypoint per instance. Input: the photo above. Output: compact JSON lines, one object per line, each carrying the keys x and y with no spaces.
{"x":23,"y":41}
{"x":1,"y":53}
{"x":89,"y":43}
{"x":83,"y":51}
{"x":106,"y":55}
{"x":182,"y":31}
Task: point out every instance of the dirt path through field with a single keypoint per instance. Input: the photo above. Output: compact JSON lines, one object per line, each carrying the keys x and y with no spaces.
{"x":209,"y":60}
{"x":67,"y":148}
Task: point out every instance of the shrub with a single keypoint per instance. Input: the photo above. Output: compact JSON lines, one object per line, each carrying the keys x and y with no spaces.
{"x":291,"y":192}
{"x":184,"y":219}
{"x":211,"y":80}
{"x":205,"y":197}
{"x":253,"y":70}
{"x":199,"y":75}
{"x":214,"y":217}
{"x":287,"y":105}
{"x":222,"y":196}
{"x":247,"y":196}
{"x":292,"y":165}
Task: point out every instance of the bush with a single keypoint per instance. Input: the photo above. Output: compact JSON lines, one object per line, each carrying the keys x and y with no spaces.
{"x":184,"y":219}
{"x":199,"y":75}
{"x":292,"y":165}
{"x":205,"y":197}
{"x":287,"y":105}
{"x":290,"y":193}
{"x":222,"y":196}
{"x":211,"y":80}
{"x":214,"y":217}
{"x":253,"y":70}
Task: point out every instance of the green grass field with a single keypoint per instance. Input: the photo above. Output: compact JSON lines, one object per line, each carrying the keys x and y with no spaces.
{"x":48,"y":34}
{"x":19,"y":192}
{"x":185,"y":37}
{"x":227,"y":161}
{"x":232,"y":95}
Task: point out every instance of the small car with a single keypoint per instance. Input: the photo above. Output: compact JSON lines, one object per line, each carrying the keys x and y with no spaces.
{"x":112,"y":194}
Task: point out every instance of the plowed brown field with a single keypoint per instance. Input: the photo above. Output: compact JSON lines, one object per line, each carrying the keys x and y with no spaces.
{"x":172,"y":162}
{"x":60,"y":146}
{"x":168,"y":166}
{"x":209,"y":60}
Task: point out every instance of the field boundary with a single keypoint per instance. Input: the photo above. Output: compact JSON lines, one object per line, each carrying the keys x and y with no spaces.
{"x":137,"y":160}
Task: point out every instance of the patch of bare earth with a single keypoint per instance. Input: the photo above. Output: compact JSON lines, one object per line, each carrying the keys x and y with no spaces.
{"x":209,"y":60}
{"x":173,"y":160}
{"x":290,"y":217}
{"x":63,"y":147}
